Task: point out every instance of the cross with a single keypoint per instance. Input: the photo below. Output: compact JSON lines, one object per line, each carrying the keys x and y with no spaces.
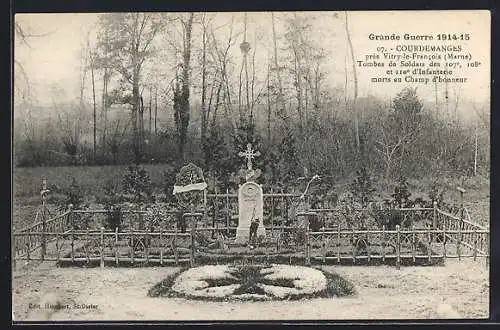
{"x":249,"y":154}
{"x":44,"y":189}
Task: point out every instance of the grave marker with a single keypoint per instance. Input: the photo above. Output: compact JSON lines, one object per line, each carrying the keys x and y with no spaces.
{"x":250,"y":200}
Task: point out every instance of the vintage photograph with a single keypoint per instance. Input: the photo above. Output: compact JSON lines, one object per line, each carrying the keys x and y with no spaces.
{"x":309,"y":165}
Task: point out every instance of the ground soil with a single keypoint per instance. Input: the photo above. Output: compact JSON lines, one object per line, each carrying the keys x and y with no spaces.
{"x":383,"y":292}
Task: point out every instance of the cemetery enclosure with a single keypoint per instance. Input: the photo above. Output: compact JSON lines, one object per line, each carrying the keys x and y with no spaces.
{"x":442,"y":236}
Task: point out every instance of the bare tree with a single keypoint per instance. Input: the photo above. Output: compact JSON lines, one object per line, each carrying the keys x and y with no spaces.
{"x":130,"y":38}
{"x":181,"y":92}
{"x":94,"y":121}
{"x":355,"y":77}
{"x":281,"y":98}
{"x":221,"y":58}
{"x":115,"y":139}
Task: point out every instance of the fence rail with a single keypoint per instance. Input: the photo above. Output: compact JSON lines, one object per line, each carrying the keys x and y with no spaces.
{"x":444,"y":236}
{"x":331,"y":244}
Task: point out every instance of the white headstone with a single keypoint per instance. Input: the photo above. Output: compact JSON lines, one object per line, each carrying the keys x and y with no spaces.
{"x":250,"y":206}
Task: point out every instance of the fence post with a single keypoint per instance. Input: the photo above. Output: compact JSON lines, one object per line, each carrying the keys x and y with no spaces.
{"x":193,"y":233}
{"x":72,"y":245}
{"x":475,"y":244}
{"x":14,"y":251}
{"x":228,"y":213}
{"x":88,"y":239}
{"x":102,"y":247}
{"x":70,"y":216}
{"x":57,"y":247}
{"x":44,"y":219}
{"x":161,"y":246}
{"x":487,"y":249}
{"x":429,"y":249}
{"x":174,"y":242}
{"x":383,"y":243}
{"x":272,"y":208}
{"x":278,"y":237}
{"x":434,"y":214}
{"x":462,"y":191}
{"x":444,"y":239}
{"x":367,"y":244}
{"x":286,"y":204}
{"x":413,"y":243}
{"x":28,"y":246}
{"x":132,"y":243}
{"x":116,"y":247}
{"x":398,"y":247}
{"x":338,"y":243}
{"x":459,"y":241}
{"x":308,"y":247}
{"x":354,"y":246}
{"x":323,"y":244}
{"x":141,"y":218}
{"x":146,"y":246}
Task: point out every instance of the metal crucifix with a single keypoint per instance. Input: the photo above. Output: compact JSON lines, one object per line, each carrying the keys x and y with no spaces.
{"x":249,"y":154}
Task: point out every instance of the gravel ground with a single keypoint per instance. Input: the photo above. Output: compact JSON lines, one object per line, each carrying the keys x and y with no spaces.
{"x":382,"y":293}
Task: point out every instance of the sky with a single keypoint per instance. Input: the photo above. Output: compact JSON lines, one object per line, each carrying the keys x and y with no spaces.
{"x":53,"y":59}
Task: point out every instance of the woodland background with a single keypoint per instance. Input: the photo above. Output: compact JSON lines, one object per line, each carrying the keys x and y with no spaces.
{"x":172,"y":88}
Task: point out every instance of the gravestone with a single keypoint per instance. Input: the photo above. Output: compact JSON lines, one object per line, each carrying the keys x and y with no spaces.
{"x":250,"y":207}
{"x":250,"y":200}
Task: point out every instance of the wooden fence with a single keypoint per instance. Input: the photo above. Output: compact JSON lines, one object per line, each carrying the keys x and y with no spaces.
{"x":35,"y":238}
{"x":276,"y":207}
{"x":329,"y":245}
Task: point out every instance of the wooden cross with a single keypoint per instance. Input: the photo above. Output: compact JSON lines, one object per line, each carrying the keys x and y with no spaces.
{"x":44,"y":190}
{"x":249,"y":154}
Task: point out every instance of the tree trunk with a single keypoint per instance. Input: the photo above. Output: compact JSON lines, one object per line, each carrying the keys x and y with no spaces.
{"x":156,"y":110}
{"x":355,"y":76}
{"x":142,"y":134}
{"x":95,"y":118}
{"x":203,"y":84}
{"x":135,"y":112}
{"x":104,"y":114}
{"x":475,"y":151}
{"x":278,"y":76}
{"x":150,"y":113}
{"x":184,"y":106}
{"x":268,"y":105}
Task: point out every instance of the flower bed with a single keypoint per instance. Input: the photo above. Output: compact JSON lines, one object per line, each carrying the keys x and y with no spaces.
{"x":252,"y":282}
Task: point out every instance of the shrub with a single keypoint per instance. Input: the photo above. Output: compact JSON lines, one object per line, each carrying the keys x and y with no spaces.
{"x":112,"y":202}
{"x":401,"y":193}
{"x":436,"y":194}
{"x":73,"y":195}
{"x":137,"y":182}
{"x":387,"y":217}
{"x":169,"y":176}
{"x":362,"y":188}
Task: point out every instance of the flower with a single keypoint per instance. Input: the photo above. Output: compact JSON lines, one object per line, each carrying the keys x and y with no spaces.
{"x":249,"y":282}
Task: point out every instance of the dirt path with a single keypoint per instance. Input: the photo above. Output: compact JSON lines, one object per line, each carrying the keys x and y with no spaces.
{"x":382,"y":293}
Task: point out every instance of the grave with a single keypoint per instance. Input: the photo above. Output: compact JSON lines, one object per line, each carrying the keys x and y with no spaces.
{"x":250,"y":200}
{"x":190,"y":192}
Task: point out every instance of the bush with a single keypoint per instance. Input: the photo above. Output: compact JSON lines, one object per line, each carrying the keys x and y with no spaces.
{"x":112,"y":202}
{"x":436,"y":194}
{"x":73,"y":195}
{"x":362,"y":188}
{"x":387,"y":217}
{"x":401,"y":193}
{"x":137,"y":182}
{"x":169,"y":176}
